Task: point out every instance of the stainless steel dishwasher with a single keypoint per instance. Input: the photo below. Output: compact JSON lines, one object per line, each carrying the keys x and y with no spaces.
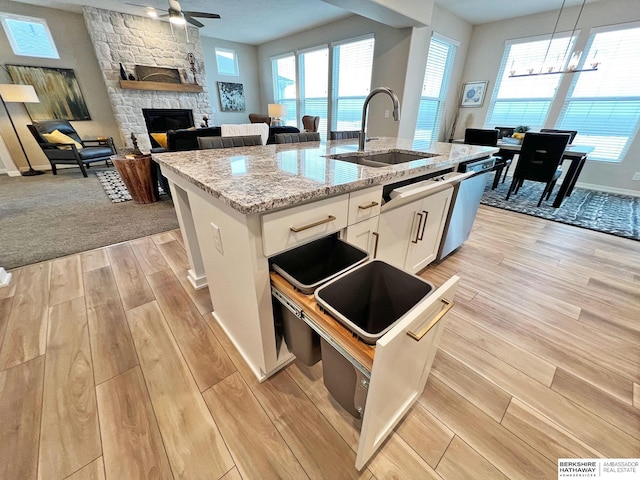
{"x":466,"y":200}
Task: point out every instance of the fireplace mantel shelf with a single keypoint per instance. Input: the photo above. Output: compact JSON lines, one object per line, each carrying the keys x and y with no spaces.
{"x":167,"y":87}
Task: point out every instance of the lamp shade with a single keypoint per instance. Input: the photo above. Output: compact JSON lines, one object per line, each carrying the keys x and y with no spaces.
{"x":12,"y":93}
{"x":277,"y":110}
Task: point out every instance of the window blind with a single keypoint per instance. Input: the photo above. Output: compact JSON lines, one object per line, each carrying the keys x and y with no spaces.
{"x":285,"y":87}
{"x":434,"y":89}
{"x":604,"y":106}
{"x":352,"y":67}
{"x":314,"y":77}
{"x":526,"y":100}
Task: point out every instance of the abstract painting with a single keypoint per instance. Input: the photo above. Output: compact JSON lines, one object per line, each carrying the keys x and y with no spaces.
{"x":231,"y":97}
{"x":58,"y":90}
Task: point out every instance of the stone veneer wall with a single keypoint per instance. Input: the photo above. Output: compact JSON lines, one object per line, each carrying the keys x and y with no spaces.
{"x":132,"y":40}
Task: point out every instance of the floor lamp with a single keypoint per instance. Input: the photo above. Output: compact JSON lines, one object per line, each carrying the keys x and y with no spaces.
{"x":12,"y":93}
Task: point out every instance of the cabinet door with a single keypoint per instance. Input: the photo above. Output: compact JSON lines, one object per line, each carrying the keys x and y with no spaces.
{"x":423,"y":247}
{"x":364,"y":235}
{"x":401,"y":366}
{"x":396,"y":229}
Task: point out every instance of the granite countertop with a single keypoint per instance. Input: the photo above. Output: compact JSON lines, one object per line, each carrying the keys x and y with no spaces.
{"x":258,"y":179}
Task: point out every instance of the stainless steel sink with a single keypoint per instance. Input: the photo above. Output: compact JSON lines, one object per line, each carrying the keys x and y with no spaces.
{"x":381,"y":159}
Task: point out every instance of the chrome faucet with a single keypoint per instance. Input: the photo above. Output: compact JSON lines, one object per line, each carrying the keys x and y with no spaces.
{"x":396,"y":112}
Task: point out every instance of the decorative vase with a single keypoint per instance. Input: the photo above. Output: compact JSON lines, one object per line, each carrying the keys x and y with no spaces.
{"x":123,"y":74}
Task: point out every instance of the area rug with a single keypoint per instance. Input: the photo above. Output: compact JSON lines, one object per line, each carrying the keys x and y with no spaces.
{"x":604,"y":212}
{"x":115,"y":188}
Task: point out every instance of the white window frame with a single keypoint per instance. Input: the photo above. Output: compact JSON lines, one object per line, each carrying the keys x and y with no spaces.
{"x":15,"y":43}
{"x":333,"y":81}
{"x":605,"y":154}
{"x":293,"y":117}
{"x":437,"y":120}
{"x":235,"y":61}
{"x":490,"y":120}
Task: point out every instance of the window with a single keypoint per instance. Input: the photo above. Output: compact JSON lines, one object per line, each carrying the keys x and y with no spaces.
{"x":301,"y":82}
{"x":314,"y":77}
{"x":526,"y":100}
{"x":28,"y":36}
{"x":352,"y":67}
{"x":227,"y":62}
{"x":434,"y":88}
{"x":604,"y":106}
{"x":284,"y":86}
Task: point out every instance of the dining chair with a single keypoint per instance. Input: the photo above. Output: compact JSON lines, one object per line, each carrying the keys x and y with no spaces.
{"x":489,"y":138}
{"x":540,"y":161}
{"x":229,"y":142}
{"x":343,"y":134}
{"x":573,"y":133}
{"x":297,"y":137}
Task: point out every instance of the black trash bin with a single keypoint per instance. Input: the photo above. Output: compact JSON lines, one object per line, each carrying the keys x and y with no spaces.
{"x":368,"y":300}
{"x":306,"y":267}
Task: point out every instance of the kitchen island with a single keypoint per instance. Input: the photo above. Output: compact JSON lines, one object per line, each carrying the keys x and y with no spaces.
{"x":239,"y":207}
{"x":231,"y":204}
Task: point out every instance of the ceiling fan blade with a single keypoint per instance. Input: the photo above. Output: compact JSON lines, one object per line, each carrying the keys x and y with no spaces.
{"x":143,"y":6}
{"x":193,"y":21}
{"x":201,"y":14}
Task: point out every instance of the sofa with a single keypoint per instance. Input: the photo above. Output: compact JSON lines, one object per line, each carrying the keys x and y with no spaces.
{"x":187,"y":139}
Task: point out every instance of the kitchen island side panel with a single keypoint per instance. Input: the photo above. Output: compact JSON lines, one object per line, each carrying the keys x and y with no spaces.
{"x":238,"y":276}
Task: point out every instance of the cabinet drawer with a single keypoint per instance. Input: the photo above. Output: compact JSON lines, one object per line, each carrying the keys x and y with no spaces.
{"x":297,"y":225}
{"x":364,"y":204}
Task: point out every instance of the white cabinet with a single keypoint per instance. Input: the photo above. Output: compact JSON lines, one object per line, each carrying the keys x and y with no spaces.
{"x":364,"y":235}
{"x":409,"y":235}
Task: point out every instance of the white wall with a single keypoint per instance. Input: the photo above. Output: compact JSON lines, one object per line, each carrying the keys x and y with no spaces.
{"x":249,"y":77}
{"x":76,"y":52}
{"x":485,"y":53}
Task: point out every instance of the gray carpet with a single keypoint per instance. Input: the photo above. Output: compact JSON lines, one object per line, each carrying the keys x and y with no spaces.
{"x":47,"y":216}
{"x":604,"y":212}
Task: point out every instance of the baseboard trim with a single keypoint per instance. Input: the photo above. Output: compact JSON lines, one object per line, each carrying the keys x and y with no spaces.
{"x":604,"y":188}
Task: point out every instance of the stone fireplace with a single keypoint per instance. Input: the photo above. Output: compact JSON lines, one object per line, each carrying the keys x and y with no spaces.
{"x":131,"y":40}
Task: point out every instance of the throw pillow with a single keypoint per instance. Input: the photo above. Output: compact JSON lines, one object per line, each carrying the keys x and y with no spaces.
{"x":161,"y":138}
{"x":58,"y":137}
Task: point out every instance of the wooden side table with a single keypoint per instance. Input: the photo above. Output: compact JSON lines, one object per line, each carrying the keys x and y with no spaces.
{"x":138,"y":175}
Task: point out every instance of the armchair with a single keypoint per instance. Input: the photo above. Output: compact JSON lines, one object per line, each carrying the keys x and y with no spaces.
{"x":310,"y":123}
{"x":71,"y":150}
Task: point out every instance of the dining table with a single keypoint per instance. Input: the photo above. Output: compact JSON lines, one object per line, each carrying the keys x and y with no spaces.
{"x":576,"y":154}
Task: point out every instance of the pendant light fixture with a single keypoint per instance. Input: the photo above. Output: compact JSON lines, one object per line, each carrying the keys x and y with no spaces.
{"x":565,"y":66}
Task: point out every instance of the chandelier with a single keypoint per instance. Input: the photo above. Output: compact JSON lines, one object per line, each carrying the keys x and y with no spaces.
{"x":562,"y":66}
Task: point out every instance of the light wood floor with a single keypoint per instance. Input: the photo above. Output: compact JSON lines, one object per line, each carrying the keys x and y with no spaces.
{"x":111,"y":367}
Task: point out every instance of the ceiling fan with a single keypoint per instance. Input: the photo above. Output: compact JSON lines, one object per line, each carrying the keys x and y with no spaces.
{"x":177,"y":16}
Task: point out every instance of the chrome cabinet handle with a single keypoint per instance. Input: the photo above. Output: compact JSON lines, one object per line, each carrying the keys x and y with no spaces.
{"x":417,"y":229}
{"x":375,"y":245}
{"x":369,"y":205}
{"x":330,"y":218}
{"x":418,"y":336}
{"x":424,"y":225}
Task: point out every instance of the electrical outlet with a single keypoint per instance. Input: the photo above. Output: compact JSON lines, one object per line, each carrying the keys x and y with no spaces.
{"x":386,"y":113}
{"x":217,"y":239}
{"x":636,"y":176}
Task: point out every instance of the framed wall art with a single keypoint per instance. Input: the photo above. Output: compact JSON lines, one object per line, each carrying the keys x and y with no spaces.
{"x":473,"y":94}
{"x":58,"y":91}
{"x":231,"y":97}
